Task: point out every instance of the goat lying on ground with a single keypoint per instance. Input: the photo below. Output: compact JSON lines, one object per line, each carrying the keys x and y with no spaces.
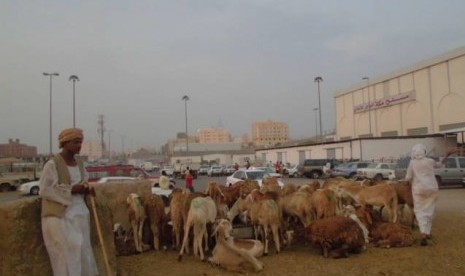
{"x":136,"y":218}
{"x":385,"y":234}
{"x":336,"y":236}
{"x":202,"y":211}
{"x":233,"y":254}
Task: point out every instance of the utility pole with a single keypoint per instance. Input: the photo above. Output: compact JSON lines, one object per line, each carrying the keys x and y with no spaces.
{"x":101,"y":131}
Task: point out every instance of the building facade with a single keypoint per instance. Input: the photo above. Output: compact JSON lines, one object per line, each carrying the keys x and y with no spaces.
{"x":425,"y":98}
{"x":213,"y":136}
{"x":92,"y":149}
{"x":269,"y":133}
{"x":18,"y":150}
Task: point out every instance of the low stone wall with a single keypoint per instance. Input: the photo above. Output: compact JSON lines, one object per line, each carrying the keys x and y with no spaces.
{"x":22,"y":251}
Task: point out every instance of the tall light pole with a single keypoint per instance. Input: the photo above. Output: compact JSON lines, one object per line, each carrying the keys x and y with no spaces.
{"x":74,"y":78}
{"x":50,"y":75}
{"x":109,"y":141}
{"x":316,"y":120}
{"x":318,"y":80}
{"x":369,"y":102}
{"x":185,"y":98}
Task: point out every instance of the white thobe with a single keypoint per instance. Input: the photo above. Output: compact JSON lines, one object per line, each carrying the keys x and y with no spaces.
{"x":424,"y":190}
{"x":67,"y":239}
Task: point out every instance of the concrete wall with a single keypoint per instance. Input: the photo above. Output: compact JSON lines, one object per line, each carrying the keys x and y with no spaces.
{"x":364,"y":149}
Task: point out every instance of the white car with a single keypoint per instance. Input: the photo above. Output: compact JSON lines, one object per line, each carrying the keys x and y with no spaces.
{"x":270,"y":171}
{"x":203,"y":170}
{"x":215,"y":171}
{"x":115,"y":179}
{"x":169,"y":170}
{"x":378,"y":171}
{"x":229,"y":169}
{"x":29,"y":188}
{"x":293,"y":171}
{"x":256,"y":175}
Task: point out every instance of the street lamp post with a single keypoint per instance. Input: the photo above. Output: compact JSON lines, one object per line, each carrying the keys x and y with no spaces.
{"x":318,"y":80}
{"x":316,"y":120}
{"x":74,"y":78}
{"x":50,"y":75}
{"x":185,"y":98}
{"x":369,"y":103}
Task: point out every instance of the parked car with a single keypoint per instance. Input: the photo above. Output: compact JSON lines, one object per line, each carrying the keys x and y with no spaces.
{"x":169,"y":170}
{"x":313,"y":168}
{"x":228,"y":170}
{"x":378,"y":171}
{"x":451,"y":173}
{"x":203,"y":170}
{"x":254,"y":174}
{"x":29,"y":188}
{"x":270,"y":171}
{"x":292,"y":171}
{"x":115,"y":179}
{"x":215,"y":171}
{"x":349,"y":170}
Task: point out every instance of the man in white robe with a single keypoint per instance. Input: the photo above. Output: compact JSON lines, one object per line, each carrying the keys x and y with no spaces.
{"x":420,"y":173}
{"x":65,"y":217}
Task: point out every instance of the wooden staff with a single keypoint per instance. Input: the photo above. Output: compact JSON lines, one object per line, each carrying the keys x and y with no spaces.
{"x":99,"y":232}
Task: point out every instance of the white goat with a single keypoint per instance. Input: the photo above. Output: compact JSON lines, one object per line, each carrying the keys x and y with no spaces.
{"x":232,"y":253}
{"x":202,"y":211}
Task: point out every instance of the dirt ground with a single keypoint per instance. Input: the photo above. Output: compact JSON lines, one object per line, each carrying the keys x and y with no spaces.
{"x":445,"y":255}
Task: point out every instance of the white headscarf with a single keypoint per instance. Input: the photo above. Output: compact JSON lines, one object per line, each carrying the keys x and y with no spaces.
{"x":418,"y":151}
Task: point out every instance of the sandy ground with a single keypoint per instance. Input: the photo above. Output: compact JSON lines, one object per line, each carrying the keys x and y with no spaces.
{"x":445,"y":255}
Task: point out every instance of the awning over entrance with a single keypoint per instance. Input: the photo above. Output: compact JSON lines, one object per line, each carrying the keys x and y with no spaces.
{"x":454,"y":130}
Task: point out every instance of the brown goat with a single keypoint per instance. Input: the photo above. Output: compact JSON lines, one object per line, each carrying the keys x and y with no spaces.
{"x":177,"y":198}
{"x":324,"y":203}
{"x":385,"y":234}
{"x":155,"y":210}
{"x":378,"y":195}
{"x":265,"y":212}
{"x":336,"y":236}
{"x":137,"y":217}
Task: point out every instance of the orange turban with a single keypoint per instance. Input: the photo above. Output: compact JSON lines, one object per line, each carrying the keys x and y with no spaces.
{"x":69,"y":134}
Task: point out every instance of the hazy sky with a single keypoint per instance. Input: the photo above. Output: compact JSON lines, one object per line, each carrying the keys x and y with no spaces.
{"x":239,"y":61}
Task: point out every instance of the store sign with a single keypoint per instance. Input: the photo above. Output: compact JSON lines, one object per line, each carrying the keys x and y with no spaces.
{"x":385,"y":102}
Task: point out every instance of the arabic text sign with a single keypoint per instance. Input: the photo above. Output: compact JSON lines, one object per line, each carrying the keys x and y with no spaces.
{"x":384,"y":102}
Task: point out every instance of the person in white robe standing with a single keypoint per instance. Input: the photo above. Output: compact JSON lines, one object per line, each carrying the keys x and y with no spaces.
{"x":420,"y":173}
{"x":65,"y":216}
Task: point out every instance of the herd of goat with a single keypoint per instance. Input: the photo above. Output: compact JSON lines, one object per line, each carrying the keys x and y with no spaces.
{"x":339,"y":217}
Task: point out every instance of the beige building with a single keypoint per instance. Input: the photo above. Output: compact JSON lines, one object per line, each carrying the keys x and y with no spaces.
{"x":269,"y":133}
{"x":92,"y":149}
{"x":15,"y":149}
{"x":426,"y":98}
{"x":213,"y":136}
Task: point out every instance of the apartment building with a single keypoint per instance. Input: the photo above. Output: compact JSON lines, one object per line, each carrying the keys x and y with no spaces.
{"x":269,"y":133}
{"x":18,"y":150}
{"x":92,"y":149}
{"x":213,"y":136}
